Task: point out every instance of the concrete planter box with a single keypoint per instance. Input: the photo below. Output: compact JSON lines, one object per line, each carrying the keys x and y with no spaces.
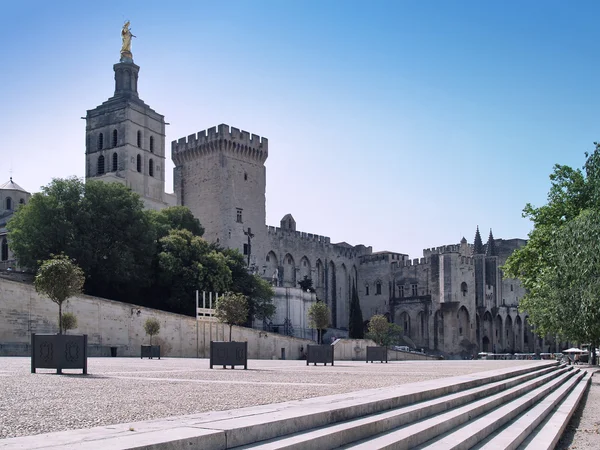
{"x":321,"y":354}
{"x":377,"y":354}
{"x":58,"y":351}
{"x":150,"y":351}
{"x":228,"y":354}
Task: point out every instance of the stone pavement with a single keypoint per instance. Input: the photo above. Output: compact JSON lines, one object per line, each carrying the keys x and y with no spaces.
{"x":128,"y":390}
{"x":122,"y":390}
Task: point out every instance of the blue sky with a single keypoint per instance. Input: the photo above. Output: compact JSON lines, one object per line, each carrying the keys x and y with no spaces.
{"x":397,"y":124}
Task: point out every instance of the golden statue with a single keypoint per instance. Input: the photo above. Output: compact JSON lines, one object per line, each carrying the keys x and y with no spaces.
{"x":126,"y":36}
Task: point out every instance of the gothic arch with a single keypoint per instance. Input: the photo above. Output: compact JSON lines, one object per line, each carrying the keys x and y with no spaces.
{"x":332,"y":293}
{"x":319,"y":282}
{"x":115,"y":162}
{"x":272,"y":268}
{"x":518,"y":334}
{"x":404,"y":319}
{"x":421,"y":334}
{"x":509,"y":334}
{"x":305,"y":269}
{"x":289,"y":271}
{"x":438,"y":330}
{"x":4,"y":250}
{"x":499,"y":341}
{"x":344,"y":297}
{"x":139,"y":163}
{"x":487,"y":337}
{"x":151,"y":167}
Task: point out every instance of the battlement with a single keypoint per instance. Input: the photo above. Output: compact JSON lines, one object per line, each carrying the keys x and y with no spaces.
{"x":383,"y":258}
{"x":222,"y":137}
{"x":276,"y":231}
{"x":454,"y":248}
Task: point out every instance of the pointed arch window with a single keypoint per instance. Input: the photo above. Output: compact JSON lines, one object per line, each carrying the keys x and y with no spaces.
{"x":4,"y":252}
{"x":115,"y":138}
{"x":8,"y":203}
{"x":139,"y":138}
{"x":100,"y":170}
{"x":115,"y":162}
{"x":139,"y":163}
{"x":151,"y":144}
{"x":100,"y":141}
{"x":151,"y":168}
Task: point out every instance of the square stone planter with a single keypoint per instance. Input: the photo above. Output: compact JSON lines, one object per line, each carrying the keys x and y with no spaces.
{"x":377,"y":354}
{"x":150,"y":351}
{"x":59,"y":351}
{"x":228,"y":354}
{"x":319,"y":354}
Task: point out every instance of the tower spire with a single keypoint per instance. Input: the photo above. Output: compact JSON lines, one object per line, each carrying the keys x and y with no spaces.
{"x":491,"y":246}
{"x":478,"y":244}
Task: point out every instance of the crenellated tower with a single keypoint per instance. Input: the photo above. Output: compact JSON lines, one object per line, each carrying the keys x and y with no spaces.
{"x":220,"y":175}
{"x":125,"y":138}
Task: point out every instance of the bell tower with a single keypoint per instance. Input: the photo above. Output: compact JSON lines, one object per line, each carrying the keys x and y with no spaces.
{"x":125,"y":138}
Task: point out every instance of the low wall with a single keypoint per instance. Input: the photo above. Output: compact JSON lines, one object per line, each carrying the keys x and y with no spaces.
{"x":351,"y":349}
{"x":114,"y":324}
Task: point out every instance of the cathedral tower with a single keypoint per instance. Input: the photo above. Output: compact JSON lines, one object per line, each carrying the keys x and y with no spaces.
{"x":220,"y":175}
{"x":125,"y":138}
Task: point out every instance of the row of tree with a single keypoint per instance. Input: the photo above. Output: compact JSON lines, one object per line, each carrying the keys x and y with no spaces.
{"x":151,"y":258}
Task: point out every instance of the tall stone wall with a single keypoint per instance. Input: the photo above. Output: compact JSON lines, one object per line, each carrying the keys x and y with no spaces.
{"x":113,"y":324}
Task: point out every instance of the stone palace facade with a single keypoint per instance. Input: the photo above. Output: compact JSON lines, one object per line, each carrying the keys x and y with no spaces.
{"x":453,"y":300}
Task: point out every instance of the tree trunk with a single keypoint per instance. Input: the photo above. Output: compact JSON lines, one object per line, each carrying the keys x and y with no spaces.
{"x":60,"y":318}
{"x":230,"y":327}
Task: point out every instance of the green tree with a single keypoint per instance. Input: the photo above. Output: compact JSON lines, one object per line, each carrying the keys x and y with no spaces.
{"x":232,"y":309}
{"x":188,"y":263}
{"x":355,"y":327}
{"x":174,"y":218}
{"x":100,"y":225}
{"x":556,"y":266}
{"x":47,"y":224}
{"x":68,"y":322}
{"x":260,"y":295}
{"x":59,"y":278}
{"x":318,"y":318}
{"x":383,"y":332}
{"x":151,"y":327}
{"x":258,"y":291}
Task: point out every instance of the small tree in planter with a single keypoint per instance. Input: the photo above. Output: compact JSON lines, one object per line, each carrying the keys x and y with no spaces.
{"x":232,"y":309}
{"x":68,"y":322}
{"x":383,"y":332}
{"x":152,"y":327}
{"x":318,"y":317}
{"x":59,"y":279}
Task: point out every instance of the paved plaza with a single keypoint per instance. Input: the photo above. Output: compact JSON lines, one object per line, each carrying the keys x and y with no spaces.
{"x":124,"y":390}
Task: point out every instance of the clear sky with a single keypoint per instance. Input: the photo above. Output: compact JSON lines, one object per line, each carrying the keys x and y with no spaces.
{"x":397,"y":124}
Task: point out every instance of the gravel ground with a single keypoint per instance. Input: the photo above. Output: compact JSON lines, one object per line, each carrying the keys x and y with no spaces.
{"x":583,"y":431}
{"x":122,"y":390}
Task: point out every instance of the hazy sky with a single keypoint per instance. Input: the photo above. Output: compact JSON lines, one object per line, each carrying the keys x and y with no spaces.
{"x":397,"y":124}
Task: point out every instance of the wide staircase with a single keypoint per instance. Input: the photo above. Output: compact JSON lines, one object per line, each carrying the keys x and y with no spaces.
{"x":517,"y":409}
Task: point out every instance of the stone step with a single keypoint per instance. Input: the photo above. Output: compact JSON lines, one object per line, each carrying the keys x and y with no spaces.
{"x":514,"y":433}
{"x":258,"y":424}
{"x":416,"y":434}
{"x":547,"y":434}
{"x":335,"y":435}
{"x":475,"y":431}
